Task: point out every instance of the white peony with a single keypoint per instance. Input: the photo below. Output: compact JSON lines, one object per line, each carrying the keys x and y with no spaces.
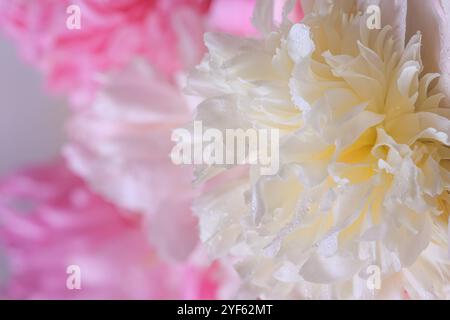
{"x":365,"y":158}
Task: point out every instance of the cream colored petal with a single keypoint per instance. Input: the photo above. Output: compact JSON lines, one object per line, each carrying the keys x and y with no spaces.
{"x":263,"y":16}
{"x":393,"y":13}
{"x":432,"y":18}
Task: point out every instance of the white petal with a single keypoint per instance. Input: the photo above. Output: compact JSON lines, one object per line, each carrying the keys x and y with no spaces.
{"x":432,"y":18}
{"x":263,"y":16}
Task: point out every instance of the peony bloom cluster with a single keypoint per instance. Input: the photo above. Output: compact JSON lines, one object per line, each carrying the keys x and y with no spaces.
{"x":50,"y":221}
{"x":111,"y":34}
{"x":364,"y":179}
{"x":120,"y":143}
{"x":123,"y":66}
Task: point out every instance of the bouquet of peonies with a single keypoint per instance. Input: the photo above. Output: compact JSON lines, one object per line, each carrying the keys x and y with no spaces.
{"x":347,"y":102}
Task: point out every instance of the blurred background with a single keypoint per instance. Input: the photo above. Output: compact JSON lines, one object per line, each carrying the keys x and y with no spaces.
{"x":31,"y":121}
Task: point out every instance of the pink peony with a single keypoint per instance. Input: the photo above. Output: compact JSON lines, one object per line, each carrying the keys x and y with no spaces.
{"x":168,"y":33}
{"x":50,"y":220}
{"x":111,"y":33}
{"x":121,"y":146}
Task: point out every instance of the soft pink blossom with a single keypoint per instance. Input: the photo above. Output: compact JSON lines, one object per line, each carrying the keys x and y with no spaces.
{"x":49,"y":220}
{"x":112,"y":33}
{"x":121,"y":146}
